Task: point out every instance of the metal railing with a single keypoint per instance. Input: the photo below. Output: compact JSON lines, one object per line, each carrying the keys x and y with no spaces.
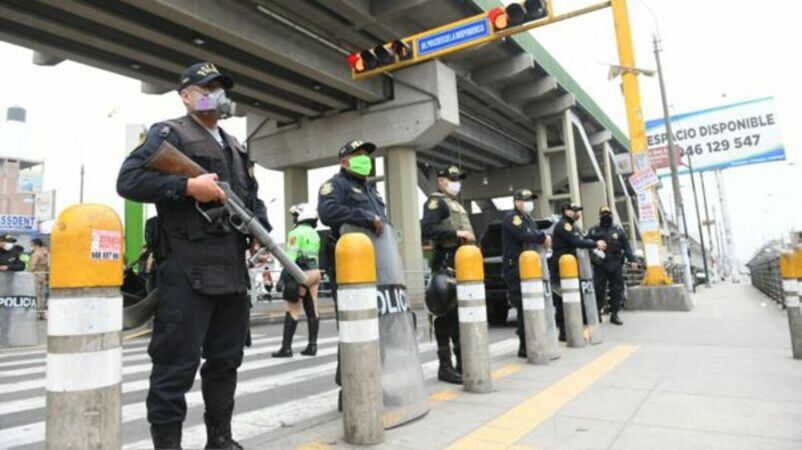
{"x":764,"y":270}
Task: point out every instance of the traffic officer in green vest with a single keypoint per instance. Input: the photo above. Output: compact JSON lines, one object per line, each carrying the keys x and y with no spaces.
{"x":303,"y":246}
{"x":519,"y":232}
{"x":445,"y":222}
{"x":609,"y":269}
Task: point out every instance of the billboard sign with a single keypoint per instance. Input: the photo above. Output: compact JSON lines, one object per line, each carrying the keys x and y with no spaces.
{"x":45,"y":205}
{"x":721,"y":137}
{"x":17,"y":224}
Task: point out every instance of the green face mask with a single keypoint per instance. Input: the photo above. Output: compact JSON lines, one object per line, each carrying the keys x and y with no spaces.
{"x":360,"y":165}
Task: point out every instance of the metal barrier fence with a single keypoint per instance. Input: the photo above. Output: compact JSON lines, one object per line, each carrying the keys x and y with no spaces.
{"x":764,"y":269}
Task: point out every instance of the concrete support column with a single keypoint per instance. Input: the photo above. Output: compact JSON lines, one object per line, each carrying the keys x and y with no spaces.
{"x":402,"y":198}
{"x":570,"y":157}
{"x":608,"y":180}
{"x":295,"y":191}
{"x":544,"y":167}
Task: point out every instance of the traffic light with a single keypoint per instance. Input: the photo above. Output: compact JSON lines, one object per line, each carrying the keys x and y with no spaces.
{"x":518,"y":13}
{"x":498,"y":19}
{"x":380,"y":55}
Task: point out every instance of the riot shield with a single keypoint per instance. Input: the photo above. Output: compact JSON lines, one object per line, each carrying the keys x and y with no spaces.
{"x":551,"y":324}
{"x":589,"y":295}
{"x":405,"y":396}
{"x":18,"y":309}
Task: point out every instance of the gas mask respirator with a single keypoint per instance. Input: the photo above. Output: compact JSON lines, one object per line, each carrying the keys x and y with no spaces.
{"x":215,"y":101}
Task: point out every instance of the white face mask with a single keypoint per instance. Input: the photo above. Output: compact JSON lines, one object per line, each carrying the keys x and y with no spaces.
{"x":529,"y":207}
{"x":8,"y":246}
{"x":453,"y":188}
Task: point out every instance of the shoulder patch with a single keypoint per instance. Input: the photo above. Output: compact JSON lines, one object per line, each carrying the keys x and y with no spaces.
{"x":516,"y":220}
{"x":432,"y":204}
{"x":615,"y":235}
{"x":568,"y":227}
{"x":327,"y":188}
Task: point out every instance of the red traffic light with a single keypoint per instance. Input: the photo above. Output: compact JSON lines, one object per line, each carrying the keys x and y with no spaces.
{"x":355,"y":61}
{"x":498,"y":19}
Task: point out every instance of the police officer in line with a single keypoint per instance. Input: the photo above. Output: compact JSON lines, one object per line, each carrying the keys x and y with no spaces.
{"x":610,"y":269}
{"x":203,"y":308}
{"x":348,"y":198}
{"x":566,"y":239}
{"x":303,"y":247}
{"x":9,"y":257}
{"x":519,"y":232}
{"x":445,"y":222}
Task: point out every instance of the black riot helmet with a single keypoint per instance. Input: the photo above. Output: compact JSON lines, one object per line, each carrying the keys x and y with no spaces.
{"x":441,"y":294}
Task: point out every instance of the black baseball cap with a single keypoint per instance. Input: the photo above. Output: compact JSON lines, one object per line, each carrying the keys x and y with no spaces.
{"x":605,"y":210}
{"x":8,"y":238}
{"x":202,"y":73}
{"x":524,"y":195}
{"x":572,"y":206}
{"x":453,"y":173}
{"x":353,"y":146}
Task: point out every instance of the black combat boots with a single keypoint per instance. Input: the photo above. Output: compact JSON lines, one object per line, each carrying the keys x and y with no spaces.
{"x":615,"y":319}
{"x":218,"y":432}
{"x":286,"y":341}
{"x":314,"y":326}
{"x":166,"y":436}
{"x":446,"y":372}
{"x":522,"y":346}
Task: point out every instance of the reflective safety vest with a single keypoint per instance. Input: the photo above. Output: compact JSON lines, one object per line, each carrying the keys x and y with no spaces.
{"x":303,"y":242}
{"x":457,"y":218}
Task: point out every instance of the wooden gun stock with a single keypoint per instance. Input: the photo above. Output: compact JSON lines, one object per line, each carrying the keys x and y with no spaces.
{"x":169,"y":160}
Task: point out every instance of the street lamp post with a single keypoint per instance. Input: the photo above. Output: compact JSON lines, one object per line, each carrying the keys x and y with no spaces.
{"x":678,"y":204}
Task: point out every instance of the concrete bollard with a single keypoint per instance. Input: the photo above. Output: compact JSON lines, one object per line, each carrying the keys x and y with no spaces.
{"x":791,"y":270}
{"x":534,"y":308}
{"x":360,"y":358}
{"x":572,"y":301}
{"x":84,"y":330}
{"x":472,"y":319}
{"x":551,"y":321}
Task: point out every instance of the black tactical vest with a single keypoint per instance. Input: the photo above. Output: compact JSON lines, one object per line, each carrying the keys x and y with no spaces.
{"x":212,"y":256}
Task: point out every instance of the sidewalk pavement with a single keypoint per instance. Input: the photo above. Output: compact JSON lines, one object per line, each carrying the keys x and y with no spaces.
{"x":718,"y":377}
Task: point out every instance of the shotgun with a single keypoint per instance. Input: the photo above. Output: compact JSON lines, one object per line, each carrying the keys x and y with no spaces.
{"x":169,"y":160}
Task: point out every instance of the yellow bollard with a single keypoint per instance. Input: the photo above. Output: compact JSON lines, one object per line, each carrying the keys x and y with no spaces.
{"x":791,"y":271}
{"x":572,"y":301}
{"x":472,"y":313}
{"x":84,"y":330}
{"x":534,"y":307}
{"x":360,"y":358}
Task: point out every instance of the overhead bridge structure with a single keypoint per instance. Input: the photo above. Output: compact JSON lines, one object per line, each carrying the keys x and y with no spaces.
{"x":507,"y":112}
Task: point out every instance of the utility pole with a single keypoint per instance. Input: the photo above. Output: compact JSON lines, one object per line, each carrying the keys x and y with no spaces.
{"x":699,"y":220}
{"x":728,"y":245}
{"x":707,"y":220}
{"x":679,"y":207}
{"x":81,"y":195}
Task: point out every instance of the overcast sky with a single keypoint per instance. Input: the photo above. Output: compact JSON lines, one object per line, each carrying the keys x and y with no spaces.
{"x":716,"y":51}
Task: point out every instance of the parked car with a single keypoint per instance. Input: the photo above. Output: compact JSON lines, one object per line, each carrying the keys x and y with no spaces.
{"x":496,"y":301}
{"x":495,"y":288}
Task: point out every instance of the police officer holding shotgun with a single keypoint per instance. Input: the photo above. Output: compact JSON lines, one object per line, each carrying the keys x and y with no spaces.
{"x":203,"y":309}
